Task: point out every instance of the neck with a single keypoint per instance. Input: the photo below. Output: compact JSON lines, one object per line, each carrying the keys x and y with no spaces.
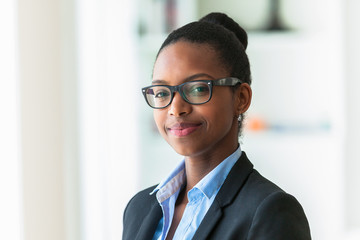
{"x":199,"y":166}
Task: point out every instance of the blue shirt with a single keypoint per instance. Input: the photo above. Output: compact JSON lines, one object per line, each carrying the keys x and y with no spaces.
{"x":200,"y":198}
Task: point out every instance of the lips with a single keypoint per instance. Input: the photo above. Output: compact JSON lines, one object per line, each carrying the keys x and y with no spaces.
{"x":183,"y":129}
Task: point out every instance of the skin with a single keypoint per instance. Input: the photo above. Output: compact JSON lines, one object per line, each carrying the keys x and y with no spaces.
{"x":216,"y":134}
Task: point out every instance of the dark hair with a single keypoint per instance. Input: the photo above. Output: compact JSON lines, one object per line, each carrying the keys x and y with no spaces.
{"x":223,"y":35}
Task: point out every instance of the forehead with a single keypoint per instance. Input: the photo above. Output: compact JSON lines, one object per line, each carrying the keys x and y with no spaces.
{"x":182,"y":59}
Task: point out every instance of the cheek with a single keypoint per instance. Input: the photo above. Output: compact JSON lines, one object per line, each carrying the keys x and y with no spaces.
{"x":159,"y":118}
{"x":222,"y":105}
{"x":224,"y":110}
{"x":219,"y":117}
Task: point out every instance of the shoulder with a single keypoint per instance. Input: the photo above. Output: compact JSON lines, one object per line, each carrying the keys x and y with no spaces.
{"x":262,"y":210}
{"x":247,"y":184}
{"x":140,"y":204}
{"x":247,"y":198}
{"x":139,"y":208}
{"x":274,"y":214}
{"x":244,"y":184}
{"x":279,"y":215}
{"x":143,"y":195}
{"x":259,"y":187}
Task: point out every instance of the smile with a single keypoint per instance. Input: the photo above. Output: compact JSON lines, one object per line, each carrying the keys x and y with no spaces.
{"x":183,"y":129}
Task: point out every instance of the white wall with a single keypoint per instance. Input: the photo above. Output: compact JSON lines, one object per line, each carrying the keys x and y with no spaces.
{"x":108,"y":95}
{"x":352,"y":158}
{"x":41,"y":119}
{"x":48,"y":120}
{"x":78,"y":138}
{"x":10,"y":165}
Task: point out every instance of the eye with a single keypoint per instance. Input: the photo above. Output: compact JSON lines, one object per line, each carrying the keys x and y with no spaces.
{"x":161,"y":94}
{"x":199,"y":90}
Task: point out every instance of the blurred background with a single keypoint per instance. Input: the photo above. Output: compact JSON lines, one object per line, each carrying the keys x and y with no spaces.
{"x":77,"y":140}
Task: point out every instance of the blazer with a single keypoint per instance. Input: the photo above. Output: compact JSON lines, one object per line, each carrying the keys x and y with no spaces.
{"x":247,"y":206}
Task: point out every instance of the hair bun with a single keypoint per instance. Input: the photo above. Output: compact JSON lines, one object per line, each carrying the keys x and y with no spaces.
{"x":228,"y":23}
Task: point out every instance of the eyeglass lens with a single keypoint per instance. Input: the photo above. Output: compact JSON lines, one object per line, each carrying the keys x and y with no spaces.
{"x":192,"y":92}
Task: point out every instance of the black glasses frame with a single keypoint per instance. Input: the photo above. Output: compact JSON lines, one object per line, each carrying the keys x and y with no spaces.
{"x":229,"y":81}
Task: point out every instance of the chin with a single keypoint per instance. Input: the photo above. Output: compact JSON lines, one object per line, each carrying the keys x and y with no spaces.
{"x":184,"y":149}
{"x":189,"y":150}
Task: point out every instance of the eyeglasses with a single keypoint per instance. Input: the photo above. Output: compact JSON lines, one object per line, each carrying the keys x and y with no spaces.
{"x":194,"y":92}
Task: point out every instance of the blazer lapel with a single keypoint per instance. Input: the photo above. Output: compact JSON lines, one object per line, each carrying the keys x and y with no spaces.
{"x":151,"y":221}
{"x":229,"y":190}
{"x":209,"y":222}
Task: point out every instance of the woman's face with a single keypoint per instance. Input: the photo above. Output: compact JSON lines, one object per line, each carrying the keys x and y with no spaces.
{"x":195,"y":130}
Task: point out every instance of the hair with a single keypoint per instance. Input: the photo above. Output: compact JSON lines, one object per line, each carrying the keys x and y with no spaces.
{"x":226,"y":37}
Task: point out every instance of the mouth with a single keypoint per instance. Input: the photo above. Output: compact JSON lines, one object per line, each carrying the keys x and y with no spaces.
{"x":183,"y":129}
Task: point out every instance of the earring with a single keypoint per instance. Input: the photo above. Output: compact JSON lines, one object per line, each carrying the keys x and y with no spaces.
{"x":239,"y":118}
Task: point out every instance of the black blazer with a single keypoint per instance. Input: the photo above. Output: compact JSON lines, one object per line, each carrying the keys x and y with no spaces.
{"x":247,"y":206}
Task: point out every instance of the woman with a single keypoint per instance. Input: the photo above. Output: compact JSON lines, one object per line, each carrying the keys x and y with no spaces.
{"x":200,"y":91}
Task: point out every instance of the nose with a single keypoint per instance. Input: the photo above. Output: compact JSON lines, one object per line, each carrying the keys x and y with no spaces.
{"x":179,"y":107}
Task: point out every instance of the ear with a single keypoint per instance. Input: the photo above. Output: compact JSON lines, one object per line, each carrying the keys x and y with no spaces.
{"x":243,"y":96}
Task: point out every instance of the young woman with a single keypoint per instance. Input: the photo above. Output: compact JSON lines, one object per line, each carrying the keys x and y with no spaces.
{"x":200,"y":91}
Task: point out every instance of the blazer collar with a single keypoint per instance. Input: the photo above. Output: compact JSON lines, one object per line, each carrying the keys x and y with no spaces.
{"x":232,"y":185}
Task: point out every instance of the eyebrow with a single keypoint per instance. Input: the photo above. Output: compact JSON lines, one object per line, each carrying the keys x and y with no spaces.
{"x":187,"y":79}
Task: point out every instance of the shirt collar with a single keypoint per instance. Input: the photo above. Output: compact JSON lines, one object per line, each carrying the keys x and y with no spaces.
{"x":171,"y":184}
{"x":209,"y":185}
{"x":212,"y":182}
